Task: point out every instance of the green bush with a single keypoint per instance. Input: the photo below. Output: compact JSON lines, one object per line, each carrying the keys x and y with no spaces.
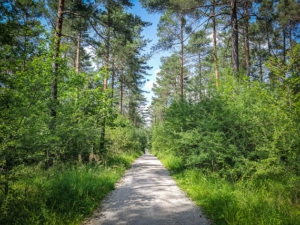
{"x":236,"y":153}
{"x":60,"y":195}
{"x":243,"y":129}
{"x":124,"y":137}
{"x":171,"y":162}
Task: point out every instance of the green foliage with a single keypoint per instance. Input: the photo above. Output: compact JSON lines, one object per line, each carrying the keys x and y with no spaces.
{"x":61,"y":195}
{"x":243,"y":129}
{"x":257,"y":201}
{"x":124,"y":137}
{"x":23,"y":117}
{"x":79,"y":132}
{"x":171,"y":162}
{"x":52,"y":169}
{"x":161,"y":135}
{"x":236,"y":152}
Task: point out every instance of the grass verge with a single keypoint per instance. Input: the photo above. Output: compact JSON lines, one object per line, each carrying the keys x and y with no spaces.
{"x":259,"y":201}
{"x":61,"y":195}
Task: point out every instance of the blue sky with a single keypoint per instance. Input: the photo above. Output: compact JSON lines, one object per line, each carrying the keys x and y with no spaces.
{"x":149,"y":33}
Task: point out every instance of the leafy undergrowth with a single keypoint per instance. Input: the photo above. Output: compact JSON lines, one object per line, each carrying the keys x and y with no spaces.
{"x":257,"y":201}
{"x":61,"y":195}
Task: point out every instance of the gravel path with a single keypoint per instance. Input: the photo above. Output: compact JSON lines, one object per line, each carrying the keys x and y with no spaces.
{"x":147,"y":195}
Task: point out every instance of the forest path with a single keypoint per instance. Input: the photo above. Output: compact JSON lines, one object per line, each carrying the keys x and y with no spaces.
{"x":147,"y":195}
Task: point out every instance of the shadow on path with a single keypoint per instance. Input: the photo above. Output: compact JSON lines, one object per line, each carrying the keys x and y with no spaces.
{"x":147,"y":195}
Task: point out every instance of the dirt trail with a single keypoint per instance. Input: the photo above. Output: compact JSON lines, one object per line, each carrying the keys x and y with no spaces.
{"x":147,"y":195}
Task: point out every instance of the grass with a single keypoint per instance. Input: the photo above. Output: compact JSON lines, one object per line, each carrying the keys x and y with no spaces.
{"x":61,"y":195}
{"x":259,"y":201}
{"x":171,"y":162}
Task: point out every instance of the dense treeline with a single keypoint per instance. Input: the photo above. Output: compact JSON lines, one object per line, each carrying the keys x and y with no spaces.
{"x":71,"y":74}
{"x":225,"y":117}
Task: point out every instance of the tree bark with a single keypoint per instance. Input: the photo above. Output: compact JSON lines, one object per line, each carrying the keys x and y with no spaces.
{"x":291,"y":34}
{"x":181,"y":53}
{"x":113,"y":79}
{"x":55,"y":65}
{"x":78,"y":52}
{"x":107,"y":54}
{"x":234,"y":37}
{"x":268,"y":38}
{"x":247,"y":43}
{"x":215,"y":43}
{"x":121,"y":96}
{"x":105,"y":80}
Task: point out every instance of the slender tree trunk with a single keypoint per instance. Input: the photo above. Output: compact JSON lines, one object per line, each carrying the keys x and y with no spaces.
{"x":55,"y":65}
{"x":268,"y":38}
{"x":105,"y":81}
{"x":291,"y":35}
{"x":113,"y":79}
{"x":121,"y":97}
{"x":271,"y":75}
{"x":78,"y":53}
{"x":234,"y":37}
{"x":102,"y":136}
{"x":247,"y":43}
{"x":181,"y":52}
{"x":25,"y":44}
{"x":78,"y":71}
{"x":291,"y":42}
{"x":107,"y":54}
{"x":215,"y":43}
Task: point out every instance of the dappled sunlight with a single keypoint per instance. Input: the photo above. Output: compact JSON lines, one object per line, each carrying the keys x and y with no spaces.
{"x":148,"y":195}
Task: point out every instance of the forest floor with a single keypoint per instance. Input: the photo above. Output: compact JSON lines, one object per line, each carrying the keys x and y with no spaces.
{"x":147,"y":195}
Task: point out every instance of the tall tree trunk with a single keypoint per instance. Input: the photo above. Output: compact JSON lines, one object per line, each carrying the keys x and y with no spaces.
{"x":107,"y":54}
{"x":215,"y":43}
{"x":121,"y":95}
{"x":234,"y":37}
{"x":291,"y":34}
{"x":113,"y":78}
{"x":271,"y":75}
{"x":78,"y":52}
{"x":181,"y":52}
{"x":105,"y":81}
{"x":102,"y":137}
{"x":247,"y":43}
{"x":268,"y":38}
{"x":291,"y":42}
{"x":55,"y":65}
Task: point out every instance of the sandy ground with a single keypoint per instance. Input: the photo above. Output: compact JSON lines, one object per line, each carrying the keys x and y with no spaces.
{"x":147,"y":195}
